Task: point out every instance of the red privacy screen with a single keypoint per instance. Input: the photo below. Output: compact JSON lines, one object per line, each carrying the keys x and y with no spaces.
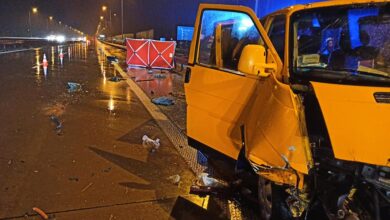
{"x":150,"y":53}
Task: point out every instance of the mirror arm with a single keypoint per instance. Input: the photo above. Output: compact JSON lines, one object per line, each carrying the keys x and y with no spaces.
{"x":259,"y":69}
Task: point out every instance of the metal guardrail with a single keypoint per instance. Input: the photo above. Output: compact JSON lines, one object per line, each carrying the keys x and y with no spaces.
{"x":114,"y":45}
{"x":23,"y":38}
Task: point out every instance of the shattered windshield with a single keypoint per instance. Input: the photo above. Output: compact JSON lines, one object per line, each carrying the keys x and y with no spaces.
{"x":348,"y":42}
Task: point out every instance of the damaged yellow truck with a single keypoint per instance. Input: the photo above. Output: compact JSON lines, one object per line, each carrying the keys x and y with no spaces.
{"x":301,"y":98}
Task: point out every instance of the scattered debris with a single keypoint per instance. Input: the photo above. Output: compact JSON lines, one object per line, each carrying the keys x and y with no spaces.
{"x":74,"y":87}
{"x":179,"y":95}
{"x":107,"y":170}
{"x":40,"y":212}
{"x":73,"y":179}
{"x":112,"y":59}
{"x":36,"y":171}
{"x":144,"y":80}
{"x":151,"y":144}
{"x":86,"y":187}
{"x":116,"y":79}
{"x":159,"y":76}
{"x":111,"y":217}
{"x":175,"y":179}
{"x":166,"y":101}
{"x":55,"y":109}
{"x":201,"y":158}
{"x":205,"y":180}
{"x":206,"y":185}
{"x":56,"y":121}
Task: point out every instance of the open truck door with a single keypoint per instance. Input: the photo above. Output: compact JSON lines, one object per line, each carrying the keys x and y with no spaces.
{"x":233,"y":83}
{"x":223,"y":76}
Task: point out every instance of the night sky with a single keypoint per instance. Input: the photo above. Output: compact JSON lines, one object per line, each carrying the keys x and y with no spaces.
{"x":84,"y":14}
{"x":80,"y":14}
{"x":161,"y":15}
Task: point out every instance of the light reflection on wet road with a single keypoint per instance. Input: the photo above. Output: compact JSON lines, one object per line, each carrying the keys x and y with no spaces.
{"x":171,"y":85}
{"x":99,"y":145}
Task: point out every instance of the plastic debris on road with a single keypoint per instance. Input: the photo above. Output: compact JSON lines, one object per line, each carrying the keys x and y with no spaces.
{"x":201,"y":158}
{"x":151,"y":144}
{"x":112,"y":59}
{"x":159,"y":76}
{"x":40,"y":212}
{"x":56,"y":121}
{"x":205,"y":180}
{"x":175,"y":179}
{"x":86,"y":187}
{"x":166,"y":101}
{"x":116,"y":79}
{"x":76,"y":179}
{"x":74,"y":87}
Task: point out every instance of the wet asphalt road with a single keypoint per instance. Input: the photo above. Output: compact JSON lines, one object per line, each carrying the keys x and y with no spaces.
{"x":95,"y":166}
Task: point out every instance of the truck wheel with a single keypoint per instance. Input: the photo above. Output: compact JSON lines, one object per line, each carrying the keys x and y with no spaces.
{"x":272,"y":201}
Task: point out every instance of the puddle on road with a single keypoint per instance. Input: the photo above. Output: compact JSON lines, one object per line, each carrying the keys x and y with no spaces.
{"x":155,"y":84}
{"x":56,"y":59}
{"x":150,"y":84}
{"x":116,"y":95}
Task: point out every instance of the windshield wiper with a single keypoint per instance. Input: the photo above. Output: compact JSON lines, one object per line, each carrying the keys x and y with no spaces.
{"x":348,"y":72}
{"x":341,"y":75}
{"x":365,"y":71}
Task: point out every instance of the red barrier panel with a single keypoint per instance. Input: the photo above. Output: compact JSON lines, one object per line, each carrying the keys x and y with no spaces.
{"x":137,"y":52}
{"x":150,"y":53}
{"x":161,"y":54}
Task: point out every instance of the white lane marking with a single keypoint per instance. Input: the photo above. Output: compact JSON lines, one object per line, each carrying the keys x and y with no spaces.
{"x":22,"y":50}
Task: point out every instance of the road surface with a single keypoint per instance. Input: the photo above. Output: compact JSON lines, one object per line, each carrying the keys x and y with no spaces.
{"x":93,"y":166}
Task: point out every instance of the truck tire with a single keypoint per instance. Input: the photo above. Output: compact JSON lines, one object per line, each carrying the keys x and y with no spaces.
{"x":272,"y":201}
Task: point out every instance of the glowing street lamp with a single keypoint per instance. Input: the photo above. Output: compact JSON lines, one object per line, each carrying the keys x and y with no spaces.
{"x":104,"y":9}
{"x":34,"y":10}
{"x":49,"y":22}
{"x":101,"y":18}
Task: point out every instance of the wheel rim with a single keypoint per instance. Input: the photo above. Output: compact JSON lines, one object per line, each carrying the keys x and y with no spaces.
{"x":265,"y":198}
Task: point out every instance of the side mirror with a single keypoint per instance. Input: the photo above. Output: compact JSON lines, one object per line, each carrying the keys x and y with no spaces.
{"x":253,"y":61}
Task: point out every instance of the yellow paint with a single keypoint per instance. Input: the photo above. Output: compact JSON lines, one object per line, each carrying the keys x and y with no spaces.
{"x":358,"y":126}
{"x":273,"y":128}
{"x":213,"y":107}
{"x":219,"y":102}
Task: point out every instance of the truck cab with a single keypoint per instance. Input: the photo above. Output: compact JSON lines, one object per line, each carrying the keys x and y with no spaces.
{"x":303,"y":97}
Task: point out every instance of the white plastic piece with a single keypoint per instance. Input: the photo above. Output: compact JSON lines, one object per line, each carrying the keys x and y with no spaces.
{"x":175,"y":179}
{"x":150,"y":143}
{"x":205,"y":180}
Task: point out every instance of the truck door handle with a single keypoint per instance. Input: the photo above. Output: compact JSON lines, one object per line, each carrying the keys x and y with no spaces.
{"x":188,"y":75}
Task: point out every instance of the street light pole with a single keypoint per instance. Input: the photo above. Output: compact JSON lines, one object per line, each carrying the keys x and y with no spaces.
{"x":34,"y":11}
{"x":29,"y":23}
{"x":110,"y":18}
{"x":104,"y":9}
